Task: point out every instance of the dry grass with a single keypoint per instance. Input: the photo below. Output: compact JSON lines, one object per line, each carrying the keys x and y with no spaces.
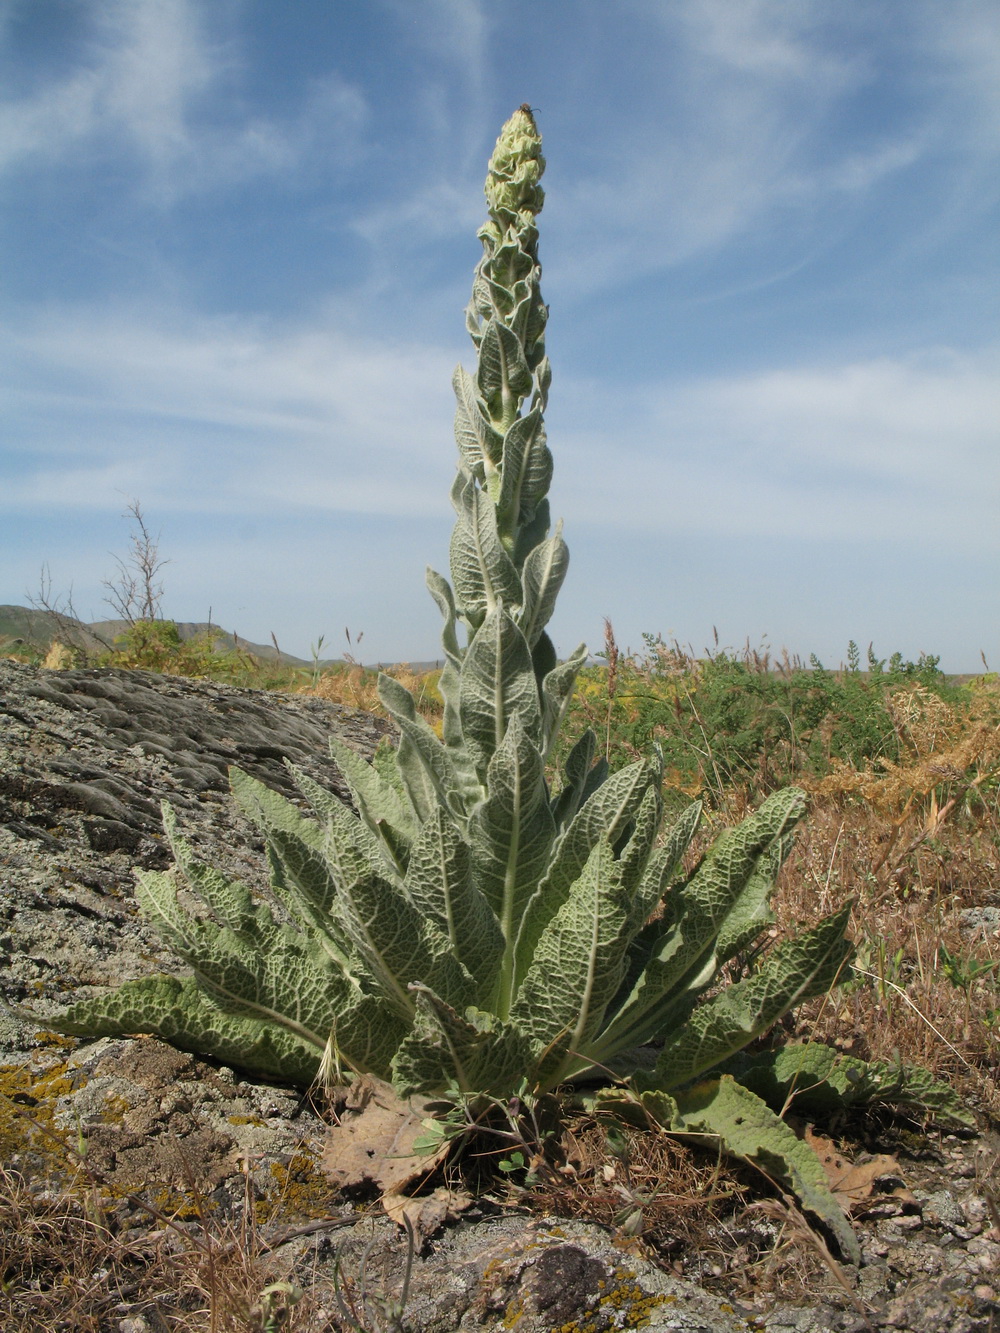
{"x":355,"y":686}
{"x":71,"y":1261}
{"x":915,"y":994}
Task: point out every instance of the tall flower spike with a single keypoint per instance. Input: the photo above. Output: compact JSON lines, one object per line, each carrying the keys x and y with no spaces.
{"x":505,"y":466}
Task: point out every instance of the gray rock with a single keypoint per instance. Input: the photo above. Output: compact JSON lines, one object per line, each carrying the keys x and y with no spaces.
{"x":979,"y":923}
{"x":86,"y":758}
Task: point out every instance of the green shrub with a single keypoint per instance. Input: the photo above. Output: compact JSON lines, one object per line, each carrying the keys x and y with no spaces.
{"x":741,"y":721}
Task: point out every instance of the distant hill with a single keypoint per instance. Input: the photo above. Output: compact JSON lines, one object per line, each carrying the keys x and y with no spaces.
{"x":39,"y":629}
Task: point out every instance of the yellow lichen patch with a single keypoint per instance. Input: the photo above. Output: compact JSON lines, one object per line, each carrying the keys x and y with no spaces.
{"x":623,"y":1304}
{"x":246,"y":1120}
{"x":27,"y":1112}
{"x":55,"y":1041}
{"x":514,"y":1313}
{"x":115,"y":1108}
{"x":300,"y":1190}
{"x":629,"y":1305}
{"x":181,"y":1205}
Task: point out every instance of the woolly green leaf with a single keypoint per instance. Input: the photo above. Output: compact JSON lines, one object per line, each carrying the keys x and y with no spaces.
{"x":478,"y":442}
{"x":542,"y":577}
{"x":449,"y":687}
{"x":528,"y":320}
{"x":576,"y":968}
{"x":440,"y":590}
{"x":543,"y":381}
{"x":557,"y":690}
{"x":503,"y":372}
{"x":818,"y":1080}
{"x":533,"y":529}
{"x":527,"y":470}
{"x":434,"y":776}
{"x":266,"y":969}
{"x":511,"y":835}
{"x":663,"y":865}
{"x":604,"y":817}
{"x":715,"y":887}
{"x":682,"y":955}
{"x":482,"y":571}
{"x":176,"y":1010}
{"x":269,"y":810}
{"x":636,"y":853}
{"x":302,"y":874}
{"x":381,"y":807}
{"x":451,"y":1052}
{"x":721,"y":1110}
{"x":497,"y":685}
{"x":665,"y":861}
{"x":397,"y":945}
{"x":365,"y":1035}
{"x":440,"y":886}
{"x":751,"y":911}
{"x":485,"y":440}
{"x":795,"y":971}
{"x":575,"y":770}
{"x":230,"y":901}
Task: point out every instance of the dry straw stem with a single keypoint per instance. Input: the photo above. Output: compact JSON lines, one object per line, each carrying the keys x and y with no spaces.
{"x":641,"y":1183}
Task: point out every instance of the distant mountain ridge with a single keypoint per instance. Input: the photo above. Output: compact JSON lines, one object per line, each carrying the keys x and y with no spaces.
{"x":38,"y":629}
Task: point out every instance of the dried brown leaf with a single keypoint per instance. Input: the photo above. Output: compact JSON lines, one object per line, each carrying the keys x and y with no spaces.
{"x":428,"y":1213}
{"x":373,"y":1143}
{"x":855,"y":1184}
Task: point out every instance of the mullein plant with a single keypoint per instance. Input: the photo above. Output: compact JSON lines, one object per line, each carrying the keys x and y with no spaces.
{"x":475,"y":931}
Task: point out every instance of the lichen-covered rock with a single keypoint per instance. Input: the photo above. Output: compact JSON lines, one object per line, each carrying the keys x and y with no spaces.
{"x":86,"y":757}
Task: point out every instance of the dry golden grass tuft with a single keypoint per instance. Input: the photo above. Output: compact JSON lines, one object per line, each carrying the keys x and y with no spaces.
{"x":355,"y":686}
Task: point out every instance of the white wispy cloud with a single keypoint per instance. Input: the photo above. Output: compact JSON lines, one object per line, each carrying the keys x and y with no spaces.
{"x":963,"y":54}
{"x":224,"y":414}
{"x":150,"y":82}
{"x":897,"y":449}
{"x":240,"y":416}
{"x":744,"y":124}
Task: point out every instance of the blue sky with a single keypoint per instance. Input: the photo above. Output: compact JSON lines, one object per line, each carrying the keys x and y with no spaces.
{"x":238,"y":238}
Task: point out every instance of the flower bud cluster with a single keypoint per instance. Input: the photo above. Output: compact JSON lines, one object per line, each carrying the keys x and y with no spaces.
{"x":513,"y":193}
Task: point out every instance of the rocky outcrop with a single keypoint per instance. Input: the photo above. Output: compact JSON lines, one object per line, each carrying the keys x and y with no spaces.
{"x":86,"y":758}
